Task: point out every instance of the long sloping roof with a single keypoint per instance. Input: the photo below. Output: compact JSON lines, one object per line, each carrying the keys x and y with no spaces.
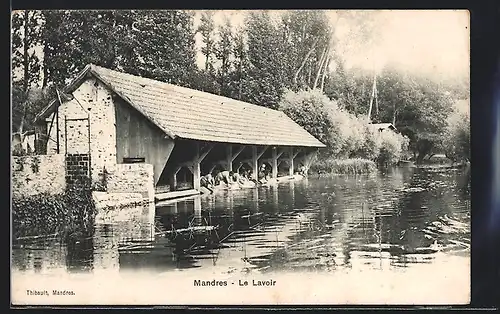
{"x":192,"y":114}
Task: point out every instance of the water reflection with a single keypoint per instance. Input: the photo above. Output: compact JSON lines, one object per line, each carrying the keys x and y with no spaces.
{"x":397,"y":219}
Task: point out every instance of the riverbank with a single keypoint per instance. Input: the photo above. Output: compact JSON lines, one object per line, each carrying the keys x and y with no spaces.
{"x":365,"y":166}
{"x":343,"y":166}
{"x":45,"y":214}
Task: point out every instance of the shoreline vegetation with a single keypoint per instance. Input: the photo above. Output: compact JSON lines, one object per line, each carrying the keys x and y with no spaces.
{"x":354,"y":145}
{"x":331,"y":166}
{"x":66,"y":215}
{"x":343,"y":166}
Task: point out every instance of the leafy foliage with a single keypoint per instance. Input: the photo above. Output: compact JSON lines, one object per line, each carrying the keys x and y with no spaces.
{"x":392,"y":147}
{"x":223,"y":52}
{"x":344,"y":166}
{"x":263,"y":84}
{"x":344,"y":134}
{"x":26,"y":37}
{"x":417,"y":106}
{"x":66,"y":214}
{"x":151,"y":43}
{"x":310,"y":110}
{"x":457,"y":137}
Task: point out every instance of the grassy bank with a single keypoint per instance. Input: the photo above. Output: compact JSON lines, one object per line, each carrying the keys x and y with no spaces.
{"x":343,"y":166}
{"x":66,"y":214}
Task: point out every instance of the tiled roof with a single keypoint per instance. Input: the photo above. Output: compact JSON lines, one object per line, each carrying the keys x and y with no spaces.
{"x":192,"y":114}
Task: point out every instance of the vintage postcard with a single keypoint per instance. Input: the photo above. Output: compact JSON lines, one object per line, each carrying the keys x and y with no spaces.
{"x":252,"y":157}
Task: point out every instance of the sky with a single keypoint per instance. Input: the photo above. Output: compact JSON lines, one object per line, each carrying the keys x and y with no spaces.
{"x":432,"y":42}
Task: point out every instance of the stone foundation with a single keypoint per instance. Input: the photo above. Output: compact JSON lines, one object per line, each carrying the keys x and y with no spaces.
{"x":131,"y":178}
{"x":105,"y":200}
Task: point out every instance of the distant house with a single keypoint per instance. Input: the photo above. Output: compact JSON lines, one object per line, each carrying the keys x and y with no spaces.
{"x":383,"y":126}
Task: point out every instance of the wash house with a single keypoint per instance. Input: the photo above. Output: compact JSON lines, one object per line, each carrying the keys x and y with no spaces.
{"x":118,"y":118}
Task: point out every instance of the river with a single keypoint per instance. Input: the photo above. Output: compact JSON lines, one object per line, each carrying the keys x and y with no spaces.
{"x":405,"y":225}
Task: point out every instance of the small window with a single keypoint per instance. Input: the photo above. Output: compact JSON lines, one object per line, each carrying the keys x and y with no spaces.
{"x":133,"y":160}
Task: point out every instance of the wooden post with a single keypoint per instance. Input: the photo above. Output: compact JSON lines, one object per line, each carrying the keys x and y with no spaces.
{"x":255,"y":163}
{"x":234,"y":156}
{"x":275,"y":163}
{"x":275,"y":196}
{"x":65,"y":136}
{"x":196,"y":175}
{"x":196,"y":168}
{"x":229,"y":156}
{"x":197,"y":212}
{"x":255,"y":160}
{"x":291,"y":157}
{"x":256,"y":199}
{"x":239,"y":167}
{"x":90,"y":148}
{"x":212,"y":168}
{"x":57,"y":129}
{"x":308,"y":159}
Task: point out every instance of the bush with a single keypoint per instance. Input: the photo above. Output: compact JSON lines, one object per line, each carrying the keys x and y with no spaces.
{"x":456,"y":143}
{"x":371,"y":143}
{"x":392,"y":148}
{"x":43,"y":214}
{"x":310,"y":110}
{"x":344,"y":134}
{"x":344,"y":166}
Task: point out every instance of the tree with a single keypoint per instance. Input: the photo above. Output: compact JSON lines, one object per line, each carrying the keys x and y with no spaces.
{"x":165,"y":46}
{"x":26,"y":38}
{"x":457,"y":136}
{"x":416,"y":105}
{"x":350,"y":88}
{"x":207,"y":31}
{"x":66,"y":48}
{"x":238,"y":73}
{"x":264,"y":80}
{"x":310,"y":109}
{"x":154,"y":44}
{"x":223,"y":52}
{"x":306,"y":46}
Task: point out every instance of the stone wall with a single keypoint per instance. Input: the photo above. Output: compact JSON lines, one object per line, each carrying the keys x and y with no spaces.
{"x":133,"y":178}
{"x":91,"y":100}
{"x":33,"y":175}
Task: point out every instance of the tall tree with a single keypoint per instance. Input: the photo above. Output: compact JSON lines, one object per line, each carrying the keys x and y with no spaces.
{"x":64,"y":45}
{"x":154,"y":44}
{"x":165,"y":46}
{"x":238,"y":74}
{"x":223,"y":52}
{"x":207,"y":31}
{"x":306,"y":40}
{"x":264,"y":83}
{"x":26,"y":38}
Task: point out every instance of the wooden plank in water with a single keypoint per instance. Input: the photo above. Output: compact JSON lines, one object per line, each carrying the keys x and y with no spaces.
{"x":175,"y":194}
{"x":189,"y":229}
{"x":174,"y":200}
